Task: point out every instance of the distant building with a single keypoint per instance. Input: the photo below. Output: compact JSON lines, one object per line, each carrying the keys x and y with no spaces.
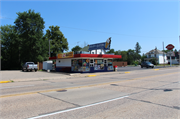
{"x":158,"y":55}
{"x":174,"y":58}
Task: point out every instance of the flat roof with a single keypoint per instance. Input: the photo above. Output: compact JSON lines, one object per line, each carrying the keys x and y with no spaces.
{"x":89,"y":56}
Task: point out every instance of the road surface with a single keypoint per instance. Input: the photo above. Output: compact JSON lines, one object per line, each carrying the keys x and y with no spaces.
{"x":141,"y":94}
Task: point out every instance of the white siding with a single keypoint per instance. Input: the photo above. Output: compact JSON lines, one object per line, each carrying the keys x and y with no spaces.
{"x":160,"y":56}
{"x":98,"y":51}
{"x":63,"y":62}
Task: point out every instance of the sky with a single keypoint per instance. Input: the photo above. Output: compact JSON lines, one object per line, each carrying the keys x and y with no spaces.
{"x":148,"y":22}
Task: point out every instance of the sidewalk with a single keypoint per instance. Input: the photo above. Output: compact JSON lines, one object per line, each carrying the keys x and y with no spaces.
{"x":18,"y":76}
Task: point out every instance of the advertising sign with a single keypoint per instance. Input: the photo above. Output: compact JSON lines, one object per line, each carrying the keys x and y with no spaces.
{"x":170,"y":47}
{"x":65,"y":55}
{"x":104,"y":45}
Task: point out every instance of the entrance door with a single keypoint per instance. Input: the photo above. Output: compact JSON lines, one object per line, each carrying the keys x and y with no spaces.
{"x":105,"y":63}
{"x":91,"y":62}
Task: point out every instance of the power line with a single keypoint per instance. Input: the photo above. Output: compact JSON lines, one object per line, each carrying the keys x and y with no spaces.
{"x":99,"y":31}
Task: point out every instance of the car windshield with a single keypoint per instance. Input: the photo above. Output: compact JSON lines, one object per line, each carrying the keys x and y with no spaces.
{"x":148,"y":62}
{"x":29,"y":63}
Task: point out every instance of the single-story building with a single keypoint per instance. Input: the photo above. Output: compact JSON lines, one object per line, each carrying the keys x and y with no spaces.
{"x":93,"y":59}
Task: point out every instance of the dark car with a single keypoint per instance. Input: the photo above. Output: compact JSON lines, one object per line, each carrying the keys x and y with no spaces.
{"x":147,"y":64}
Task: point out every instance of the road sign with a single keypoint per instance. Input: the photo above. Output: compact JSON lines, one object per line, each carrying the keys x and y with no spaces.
{"x":170,"y":53}
{"x":170,"y":47}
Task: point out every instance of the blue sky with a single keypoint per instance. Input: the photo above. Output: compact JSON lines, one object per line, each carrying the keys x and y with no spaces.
{"x":149,"y":22}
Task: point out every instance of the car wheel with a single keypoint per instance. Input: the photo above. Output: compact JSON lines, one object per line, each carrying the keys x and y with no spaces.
{"x":35,"y":70}
{"x":22,"y":70}
{"x":26,"y":70}
{"x":152,"y":67}
{"x":141,"y":66}
{"x":146,"y":66}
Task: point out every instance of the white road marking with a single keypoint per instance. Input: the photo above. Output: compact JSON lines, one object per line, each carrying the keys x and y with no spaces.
{"x":50,"y":114}
{"x":16,"y":86}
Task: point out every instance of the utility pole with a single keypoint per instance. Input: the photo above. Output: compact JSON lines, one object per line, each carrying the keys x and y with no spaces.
{"x":49,"y":49}
{"x":163,"y":55}
{"x":155,"y":55}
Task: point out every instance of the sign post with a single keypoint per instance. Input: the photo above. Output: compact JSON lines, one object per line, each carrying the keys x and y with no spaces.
{"x":170,"y":47}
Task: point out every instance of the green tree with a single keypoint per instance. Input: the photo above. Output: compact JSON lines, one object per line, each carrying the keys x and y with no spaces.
{"x":123,"y":54}
{"x":143,"y":57}
{"x":137,"y":48}
{"x":76,"y":48}
{"x":59,"y":43}
{"x":111,"y":51}
{"x":9,"y":48}
{"x":29,"y":26}
{"x":130,"y":56}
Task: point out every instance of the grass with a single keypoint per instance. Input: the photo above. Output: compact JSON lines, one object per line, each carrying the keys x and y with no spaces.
{"x":11,"y":80}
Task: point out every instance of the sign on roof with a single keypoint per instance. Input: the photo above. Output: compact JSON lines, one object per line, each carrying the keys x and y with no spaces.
{"x":65,"y":55}
{"x":104,"y":45}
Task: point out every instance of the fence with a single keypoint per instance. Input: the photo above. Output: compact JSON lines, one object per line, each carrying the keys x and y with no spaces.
{"x":120,"y":64}
{"x":40,"y":65}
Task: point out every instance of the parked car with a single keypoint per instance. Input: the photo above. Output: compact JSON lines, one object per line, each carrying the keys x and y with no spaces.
{"x":147,"y":64}
{"x":30,"y":66}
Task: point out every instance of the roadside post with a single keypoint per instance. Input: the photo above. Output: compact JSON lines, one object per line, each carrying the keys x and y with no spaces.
{"x":170,"y":47}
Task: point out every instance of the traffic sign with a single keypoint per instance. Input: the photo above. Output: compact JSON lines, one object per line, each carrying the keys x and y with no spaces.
{"x":170,"y":47}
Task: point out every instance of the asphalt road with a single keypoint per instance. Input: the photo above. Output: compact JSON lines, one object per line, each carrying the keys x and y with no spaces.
{"x":139,"y":94}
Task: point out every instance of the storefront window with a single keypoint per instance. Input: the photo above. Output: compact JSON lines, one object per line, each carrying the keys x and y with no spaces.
{"x":76,"y":65}
{"x":85,"y":65}
{"x":98,"y":64}
{"x":110,"y":64}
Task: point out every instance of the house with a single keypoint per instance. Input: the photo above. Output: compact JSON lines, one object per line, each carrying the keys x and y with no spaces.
{"x":158,"y":55}
{"x":174,"y":58}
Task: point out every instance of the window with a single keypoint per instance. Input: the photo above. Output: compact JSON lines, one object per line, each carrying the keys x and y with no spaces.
{"x":76,"y":64}
{"x":85,"y":65}
{"x":110,"y":64}
{"x":98,"y":64}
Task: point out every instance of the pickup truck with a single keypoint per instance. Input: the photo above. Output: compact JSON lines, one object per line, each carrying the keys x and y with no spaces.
{"x":29,"y":66}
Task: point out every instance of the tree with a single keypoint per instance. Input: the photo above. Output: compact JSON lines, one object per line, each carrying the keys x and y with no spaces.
{"x":29,"y":26}
{"x":59,"y":43}
{"x":123,"y":54}
{"x":143,"y":57}
{"x":111,"y":51}
{"x":138,"y":48}
{"x":130,"y":56}
{"x":9,"y":48}
{"x":76,"y":48}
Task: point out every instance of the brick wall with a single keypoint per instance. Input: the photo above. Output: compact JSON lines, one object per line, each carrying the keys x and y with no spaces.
{"x":120,"y":64}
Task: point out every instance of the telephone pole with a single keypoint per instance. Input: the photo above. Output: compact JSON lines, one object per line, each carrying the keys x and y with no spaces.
{"x":49,"y":49}
{"x":163,"y":55}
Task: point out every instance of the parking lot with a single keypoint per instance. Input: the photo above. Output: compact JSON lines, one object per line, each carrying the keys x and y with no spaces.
{"x":18,"y":75}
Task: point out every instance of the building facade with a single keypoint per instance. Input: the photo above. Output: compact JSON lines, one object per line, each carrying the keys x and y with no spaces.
{"x":161,"y":57}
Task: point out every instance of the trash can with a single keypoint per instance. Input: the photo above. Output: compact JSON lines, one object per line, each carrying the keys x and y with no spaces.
{"x":115,"y":68}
